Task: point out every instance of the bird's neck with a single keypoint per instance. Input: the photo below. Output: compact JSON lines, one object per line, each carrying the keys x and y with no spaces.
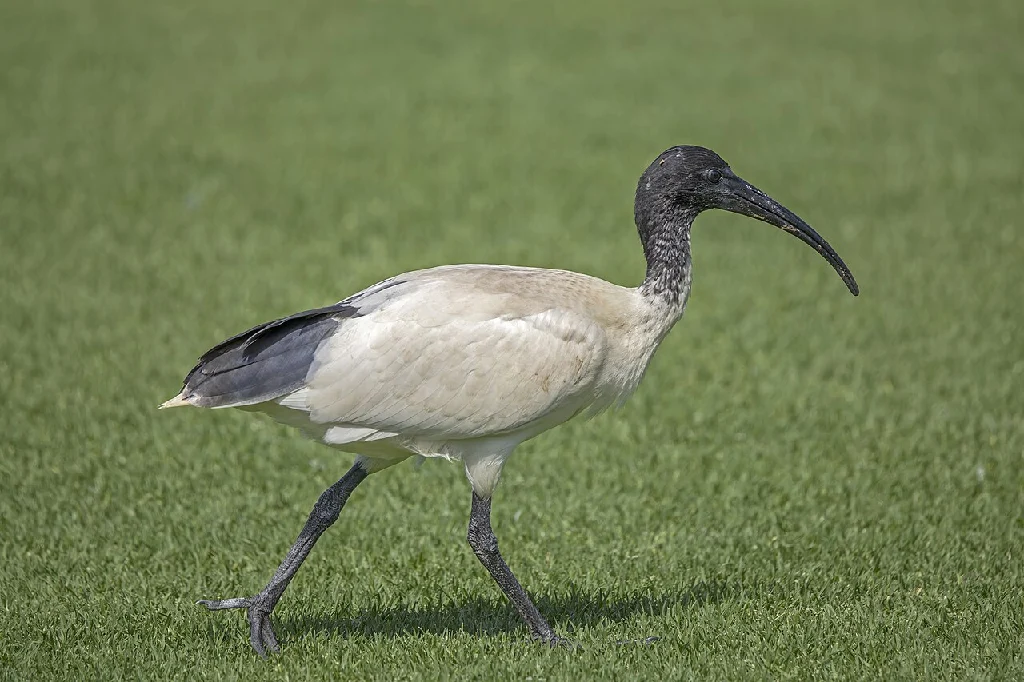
{"x":666,"y":242}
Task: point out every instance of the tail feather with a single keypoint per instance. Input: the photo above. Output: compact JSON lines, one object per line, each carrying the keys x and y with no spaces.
{"x":176,"y":401}
{"x":263,"y":363}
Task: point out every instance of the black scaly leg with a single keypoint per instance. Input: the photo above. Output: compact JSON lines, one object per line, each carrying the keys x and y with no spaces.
{"x":485,"y":546}
{"x":258,"y":607}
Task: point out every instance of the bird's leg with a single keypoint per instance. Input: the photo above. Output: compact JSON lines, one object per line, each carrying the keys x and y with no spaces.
{"x":485,"y":546}
{"x":258,"y":607}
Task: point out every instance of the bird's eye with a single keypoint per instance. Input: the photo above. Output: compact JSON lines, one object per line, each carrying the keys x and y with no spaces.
{"x":713,"y":175}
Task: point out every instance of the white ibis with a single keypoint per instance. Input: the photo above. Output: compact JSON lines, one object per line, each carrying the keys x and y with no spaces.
{"x":466,"y":362}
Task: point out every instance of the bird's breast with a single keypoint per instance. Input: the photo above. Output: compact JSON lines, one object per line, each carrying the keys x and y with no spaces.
{"x":632,"y":342}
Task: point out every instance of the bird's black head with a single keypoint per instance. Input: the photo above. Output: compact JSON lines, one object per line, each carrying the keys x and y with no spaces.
{"x":685,"y":180}
{"x":685,"y":177}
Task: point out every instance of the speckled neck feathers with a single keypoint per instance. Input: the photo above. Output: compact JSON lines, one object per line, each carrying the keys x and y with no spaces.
{"x":664,"y":228}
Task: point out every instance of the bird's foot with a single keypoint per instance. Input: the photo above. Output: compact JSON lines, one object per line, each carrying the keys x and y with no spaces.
{"x":257,"y":611}
{"x":555,"y":642}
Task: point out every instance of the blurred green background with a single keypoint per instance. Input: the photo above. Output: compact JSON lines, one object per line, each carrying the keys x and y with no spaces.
{"x":806,"y":485}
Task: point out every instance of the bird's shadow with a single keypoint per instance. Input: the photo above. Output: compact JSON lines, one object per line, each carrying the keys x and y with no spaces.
{"x":573,"y":609}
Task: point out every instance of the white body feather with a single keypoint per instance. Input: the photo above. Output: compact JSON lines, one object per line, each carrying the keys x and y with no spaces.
{"x":466,"y":362}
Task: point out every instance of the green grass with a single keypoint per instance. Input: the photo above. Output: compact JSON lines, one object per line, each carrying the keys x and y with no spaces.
{"x":806,"y":485}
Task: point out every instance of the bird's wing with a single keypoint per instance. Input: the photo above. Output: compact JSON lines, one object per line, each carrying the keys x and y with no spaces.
{"x":444,"y":361}
{"x":272,"y":359}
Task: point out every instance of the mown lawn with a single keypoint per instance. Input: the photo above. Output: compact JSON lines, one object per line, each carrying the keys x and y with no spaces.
{"x":806,"y":485}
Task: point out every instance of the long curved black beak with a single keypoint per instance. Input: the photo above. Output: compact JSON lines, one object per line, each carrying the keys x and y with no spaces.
{"x":743,"y":198}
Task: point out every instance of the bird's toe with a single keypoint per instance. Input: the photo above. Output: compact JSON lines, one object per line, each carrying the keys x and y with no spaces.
{"x":267,"y":634}
{"x":256,"y":641}
{"x":261,"y":632}
{"x":218,"y":604}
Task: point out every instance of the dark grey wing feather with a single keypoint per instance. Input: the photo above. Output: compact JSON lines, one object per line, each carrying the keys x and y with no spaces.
{"x":265,"y":362}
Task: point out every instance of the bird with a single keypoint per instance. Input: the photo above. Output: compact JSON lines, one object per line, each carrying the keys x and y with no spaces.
{"x":466,"y":362}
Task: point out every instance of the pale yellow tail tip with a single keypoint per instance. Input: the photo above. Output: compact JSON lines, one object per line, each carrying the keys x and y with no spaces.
{"x":176,"y":401}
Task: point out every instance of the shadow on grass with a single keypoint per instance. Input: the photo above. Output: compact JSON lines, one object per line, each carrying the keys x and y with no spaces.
{"x":480,"y":616}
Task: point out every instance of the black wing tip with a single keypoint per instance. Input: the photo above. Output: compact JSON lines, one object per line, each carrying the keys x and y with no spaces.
{"x":227,"y":374}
